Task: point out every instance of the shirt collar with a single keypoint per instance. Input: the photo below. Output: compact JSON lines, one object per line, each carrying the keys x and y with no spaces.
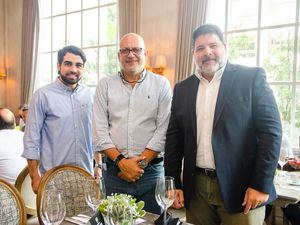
{"x":64,"y":87}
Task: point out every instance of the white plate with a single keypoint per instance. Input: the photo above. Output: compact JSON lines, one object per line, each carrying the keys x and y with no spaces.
{"x":295,"y":183}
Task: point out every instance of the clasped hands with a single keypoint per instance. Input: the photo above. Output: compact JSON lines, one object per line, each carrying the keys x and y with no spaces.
{"x":130,"y":169}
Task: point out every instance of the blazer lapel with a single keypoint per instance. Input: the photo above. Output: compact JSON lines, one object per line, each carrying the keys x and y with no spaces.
{"x":227,"y":81}
{"x":193,"y":89}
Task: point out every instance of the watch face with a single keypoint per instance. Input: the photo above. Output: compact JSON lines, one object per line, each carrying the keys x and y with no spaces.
{"x":143,"y":164}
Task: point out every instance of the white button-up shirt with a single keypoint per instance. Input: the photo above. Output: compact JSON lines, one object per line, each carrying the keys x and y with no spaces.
{"x":205,"y":109}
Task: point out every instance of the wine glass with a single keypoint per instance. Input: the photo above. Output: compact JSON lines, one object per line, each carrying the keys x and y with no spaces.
{"x":165,"y":193}
{"x":94,"y":192}
{"x":52,"y":209}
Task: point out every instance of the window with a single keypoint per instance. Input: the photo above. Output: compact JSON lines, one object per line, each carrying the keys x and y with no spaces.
{"x":265,"y":33}
{"x":88,"y":24}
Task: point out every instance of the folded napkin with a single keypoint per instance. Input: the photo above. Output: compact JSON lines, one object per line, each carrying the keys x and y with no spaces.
{"x":170,"y":220}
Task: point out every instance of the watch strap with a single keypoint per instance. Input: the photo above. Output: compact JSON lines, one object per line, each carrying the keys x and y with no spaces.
{"x":98,"y":165}
{"x":118,"y":159}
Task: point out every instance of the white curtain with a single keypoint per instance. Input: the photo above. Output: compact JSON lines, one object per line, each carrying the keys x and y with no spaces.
{"x":192,"y":14}
{"x":30,"y":37}
{"x":129,"y":16}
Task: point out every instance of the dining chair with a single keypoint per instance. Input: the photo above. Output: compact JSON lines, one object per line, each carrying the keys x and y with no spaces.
{"x":12,"y":208}
{"x":69,"y":181}
{"x":23,"y":184}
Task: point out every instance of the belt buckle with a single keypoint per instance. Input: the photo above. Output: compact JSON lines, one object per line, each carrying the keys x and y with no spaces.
{"x":208,"y":172}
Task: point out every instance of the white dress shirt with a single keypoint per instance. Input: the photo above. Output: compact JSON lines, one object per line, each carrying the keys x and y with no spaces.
{"x":205,"y":109}
{"x":11,"y":148}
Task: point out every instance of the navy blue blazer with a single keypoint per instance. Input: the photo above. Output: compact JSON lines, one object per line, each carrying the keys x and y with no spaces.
{"x":246,"y":135}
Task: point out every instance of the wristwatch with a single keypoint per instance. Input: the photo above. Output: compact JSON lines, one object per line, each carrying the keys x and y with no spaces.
{"x":118,"y":159}
{"x":143,"y":164}
{"x":98,"y":165}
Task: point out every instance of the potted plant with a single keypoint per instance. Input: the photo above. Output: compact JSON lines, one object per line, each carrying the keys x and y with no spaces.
{"x":121,"y":209}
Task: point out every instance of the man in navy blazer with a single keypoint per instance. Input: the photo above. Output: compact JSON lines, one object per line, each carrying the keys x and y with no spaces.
{"x":225,"y":128}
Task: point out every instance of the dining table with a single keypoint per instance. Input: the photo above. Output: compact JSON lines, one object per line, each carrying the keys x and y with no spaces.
{"x":288,"y":192}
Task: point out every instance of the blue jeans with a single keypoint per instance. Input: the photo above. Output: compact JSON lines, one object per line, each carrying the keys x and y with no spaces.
{"x":142,"y":189}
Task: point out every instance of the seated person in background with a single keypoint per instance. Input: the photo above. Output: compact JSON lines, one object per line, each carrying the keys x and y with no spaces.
{"x":23,"y":109}
{"x":11,"y":147}
{"x":292,"y":211}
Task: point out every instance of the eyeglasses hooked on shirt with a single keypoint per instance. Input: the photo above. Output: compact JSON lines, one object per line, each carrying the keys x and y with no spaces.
{"x":135,"y":51}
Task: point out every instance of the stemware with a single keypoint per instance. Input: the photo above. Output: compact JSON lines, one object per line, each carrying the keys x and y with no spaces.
{"x":52,"y":209}
{"x":94,"y":192}
{"x":165,"y":193}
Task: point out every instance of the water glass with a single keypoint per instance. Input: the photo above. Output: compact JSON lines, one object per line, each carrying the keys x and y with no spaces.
{"x":165,"y":193}
{"x":94,"y":192}
{"x":52,"y":209}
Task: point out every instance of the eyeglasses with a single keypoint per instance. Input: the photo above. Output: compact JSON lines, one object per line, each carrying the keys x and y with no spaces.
{"x":135,"y":51}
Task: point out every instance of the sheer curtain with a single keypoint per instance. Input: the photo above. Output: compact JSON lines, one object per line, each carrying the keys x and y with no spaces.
{"x":129,"y":16}
{"x":30,"y":36}
{"x":192,"y":14}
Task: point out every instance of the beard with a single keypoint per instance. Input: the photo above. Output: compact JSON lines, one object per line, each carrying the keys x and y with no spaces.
{"x":67,"y":80}
{"x":210,"y":70}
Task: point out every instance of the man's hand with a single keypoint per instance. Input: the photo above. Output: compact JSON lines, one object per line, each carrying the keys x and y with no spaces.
{"x":35,"y":182}
{"x":179,"y":199}
{"x":130,"y":170}
{"x":97,"y":172}
{"x":253,"y":199}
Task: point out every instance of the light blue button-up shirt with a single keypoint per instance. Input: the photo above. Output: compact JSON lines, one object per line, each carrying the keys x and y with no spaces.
{"x":131,"y":119}
{"x":59,"y":127}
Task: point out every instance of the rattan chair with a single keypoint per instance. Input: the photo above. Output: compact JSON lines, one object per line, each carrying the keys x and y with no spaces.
{"x":68,"y":180}
{"x":12,"y":208}
{"x":23,"y":184}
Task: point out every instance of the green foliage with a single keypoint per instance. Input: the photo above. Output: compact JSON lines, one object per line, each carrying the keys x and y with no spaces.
{"x":120,"y":207}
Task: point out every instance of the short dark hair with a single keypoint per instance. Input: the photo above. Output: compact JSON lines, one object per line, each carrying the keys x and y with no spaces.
{"x":207,"y":29}
{"x":71,"y":49}
{"x":7,"y":121}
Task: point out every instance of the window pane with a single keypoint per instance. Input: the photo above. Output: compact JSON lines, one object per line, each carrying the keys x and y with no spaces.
{"x":283,"y":95}
{"x":45,"y":36}
{"x":90,"y":28}
{"x":54,"y":66}
{"x":242,"y":14}
{"x":89,"y":3}
{"x":45,"y":5}
{"x":73,"y":5}
{"x":276,"y":12}
{"x":74,"y":29}
{"x":107,"y":61}
{"x":298,"y":59}
{"x":103,"y":2}
{"x":43,"y":70}
{"x":296,"y":133}
{"x":277,"y":46}
{"x":58,"y":38}
{"x":91,"y":67}
{"x":216,"y":13}
{"x":108,"y":25}
{"x":242,"y":48}
{"x":58,"y":7}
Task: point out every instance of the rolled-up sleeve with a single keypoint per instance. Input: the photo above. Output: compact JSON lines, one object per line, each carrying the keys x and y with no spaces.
{"x":34,"y":123}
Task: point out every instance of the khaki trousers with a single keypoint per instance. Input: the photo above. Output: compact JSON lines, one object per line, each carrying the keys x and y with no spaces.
{"x":207,"y":207}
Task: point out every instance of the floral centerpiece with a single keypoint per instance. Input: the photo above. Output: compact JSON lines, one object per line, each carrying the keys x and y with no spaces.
{"x":121,"y":209}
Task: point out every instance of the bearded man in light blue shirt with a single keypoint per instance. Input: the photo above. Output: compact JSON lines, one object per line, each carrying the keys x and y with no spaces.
{"x":131,"y":115}
{"x":59,"y":123}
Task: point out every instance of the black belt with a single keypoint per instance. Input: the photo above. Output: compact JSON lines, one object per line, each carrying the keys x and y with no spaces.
{"x":156,"y":160}
{"x":207,"y":172}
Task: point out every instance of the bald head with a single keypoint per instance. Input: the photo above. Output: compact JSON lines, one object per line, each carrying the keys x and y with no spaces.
{"x":7,"y":119}
{"x":132,"y":37}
